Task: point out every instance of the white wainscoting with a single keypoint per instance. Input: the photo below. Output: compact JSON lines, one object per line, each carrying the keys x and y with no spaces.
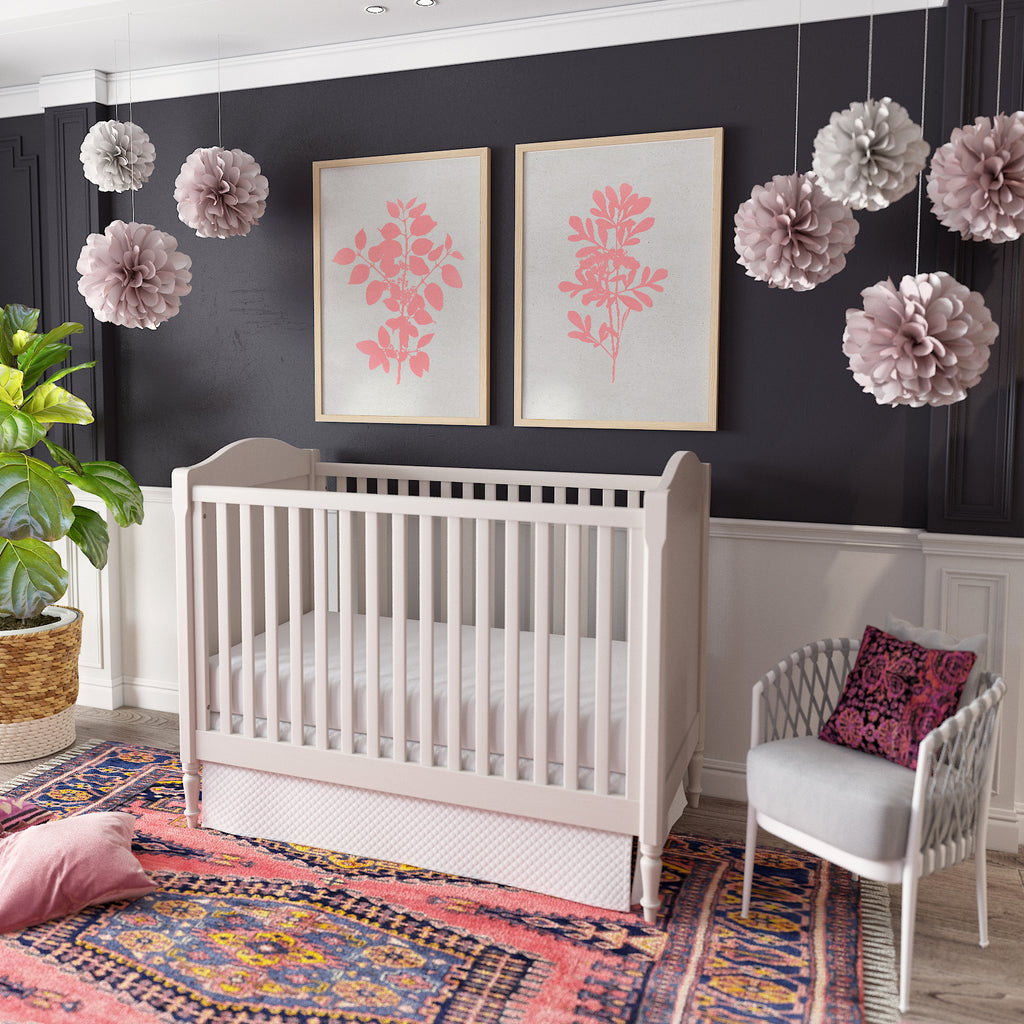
{"x":773,"y":587}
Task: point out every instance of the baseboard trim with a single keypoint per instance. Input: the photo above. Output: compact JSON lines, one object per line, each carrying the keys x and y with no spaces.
{"x":150,"y":695}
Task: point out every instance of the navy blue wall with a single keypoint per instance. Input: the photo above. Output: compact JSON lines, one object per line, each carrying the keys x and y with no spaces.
{"x":797,"y":439}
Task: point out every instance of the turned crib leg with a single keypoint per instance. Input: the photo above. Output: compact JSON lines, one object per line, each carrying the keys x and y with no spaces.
{"x":190,"y":783}
{"x":650,"y":874}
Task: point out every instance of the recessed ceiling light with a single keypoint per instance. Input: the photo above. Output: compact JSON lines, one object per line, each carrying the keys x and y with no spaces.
{"x":425,"y":3}
{"x":375,"y":9}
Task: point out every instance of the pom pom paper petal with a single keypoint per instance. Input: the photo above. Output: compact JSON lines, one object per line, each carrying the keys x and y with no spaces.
{"x":117,"y":156}
{"x":869,"y":155}
{"x":220,"y":192}
{"x":791,"y":235}
{"x":924,"y":343}
{"x":133,"y":275}
{"x":976,"y":181}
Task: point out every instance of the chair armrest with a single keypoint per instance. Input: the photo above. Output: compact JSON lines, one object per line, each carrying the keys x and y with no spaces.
{"x":953,"y":783}
{"x":796,"y":697}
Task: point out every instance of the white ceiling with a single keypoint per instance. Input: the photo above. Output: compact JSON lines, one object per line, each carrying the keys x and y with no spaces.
{"x":119,"y":38}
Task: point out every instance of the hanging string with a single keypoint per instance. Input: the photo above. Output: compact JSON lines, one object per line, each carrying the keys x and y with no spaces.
{"x":999,"y":59}
{"x":796,"y":116}
{"x":920,"y":174}
{"x":220,"y":136}
{"x":131,"y":114}
{"x":871,"y":46}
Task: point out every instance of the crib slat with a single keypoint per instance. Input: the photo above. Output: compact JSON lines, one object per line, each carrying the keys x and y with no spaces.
{"x":202,"y":644}
{"x":511,"y":744}
{"x":270,"y":618}
{"x":320,"y":627}
{"x":570,"y":740}
{"x":454,"y":615}
{"x":399,"y":603}
{"x":426,"y":570}
{"x":605,"y":585}
{"x":482,"y":619}
{"x":245,"y":587}
{"x":223,"y":618}
{"x":346,"y":629}
{"x":634,"y":673}
{"x":296,"y":710}
{"x":372,"y":618}
{"x":541,"y":649}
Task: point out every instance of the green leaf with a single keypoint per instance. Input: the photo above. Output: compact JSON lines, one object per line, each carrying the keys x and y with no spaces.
{"x":51,"y":404}
{"x":63,"y":457}
{"x":111,"y":482}
{"x":19,"y":432}
{"x":31,"y":577}
{"x":89,"y":531}
{"x":53,"y":378}
{"x":34,"y":500}
{"x":11,"y":386}
{"x":39,"y":357}
{"x":15,"y":318}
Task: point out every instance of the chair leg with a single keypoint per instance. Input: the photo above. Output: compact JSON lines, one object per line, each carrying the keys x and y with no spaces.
{"x":981,"y":880}
{"x":907,"y":921}
{"x":748,"y":860}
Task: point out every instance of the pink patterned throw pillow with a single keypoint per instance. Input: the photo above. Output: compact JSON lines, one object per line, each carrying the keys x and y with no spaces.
{"x":896,"y":694}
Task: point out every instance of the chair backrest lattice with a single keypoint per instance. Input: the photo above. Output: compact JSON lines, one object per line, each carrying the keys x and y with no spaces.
{"x":800,"y":693}
{"x":958,"y":758}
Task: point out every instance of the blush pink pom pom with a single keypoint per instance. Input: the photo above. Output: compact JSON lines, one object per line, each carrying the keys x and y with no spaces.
{"x":924,"y":343}
{"x":791,"y":235}
{"x":976,"y":182}
{"x":220,"y":192}
{"x":133,"y":275}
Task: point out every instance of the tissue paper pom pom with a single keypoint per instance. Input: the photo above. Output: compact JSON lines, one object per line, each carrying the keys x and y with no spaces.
{"x":792,"y":235}
{"x":925,"y":343}
{"x":117,"y":156}
{"x":133,"y":275}
{"x":869,"y":155}
{"x":220,"y":192}
{"x":976,"y":183}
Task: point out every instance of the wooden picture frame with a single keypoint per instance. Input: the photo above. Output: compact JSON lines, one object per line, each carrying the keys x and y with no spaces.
{"x":610,"y":230}
{"x":401,"y":273}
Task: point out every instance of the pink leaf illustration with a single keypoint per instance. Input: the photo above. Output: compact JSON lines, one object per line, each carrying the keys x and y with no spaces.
{"x":606,"y":275}
{"x":434,"y":295}
{"x":419,"y":363}
{"x":399,"y":269}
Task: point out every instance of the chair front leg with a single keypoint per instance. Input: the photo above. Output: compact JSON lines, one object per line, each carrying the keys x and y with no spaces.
{"x":748,"y":860}
{"x":907,"y":920}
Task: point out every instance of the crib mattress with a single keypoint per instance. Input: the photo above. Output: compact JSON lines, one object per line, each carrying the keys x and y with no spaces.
{"x":556,"y":686}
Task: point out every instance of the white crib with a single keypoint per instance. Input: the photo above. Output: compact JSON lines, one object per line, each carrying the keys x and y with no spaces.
{"x":344,"y":628}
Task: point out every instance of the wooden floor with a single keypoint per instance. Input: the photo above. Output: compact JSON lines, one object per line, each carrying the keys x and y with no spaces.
{"x":954,"y":981}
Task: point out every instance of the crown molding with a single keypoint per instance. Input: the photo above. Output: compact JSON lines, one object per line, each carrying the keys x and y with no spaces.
{"x":613,"y":26}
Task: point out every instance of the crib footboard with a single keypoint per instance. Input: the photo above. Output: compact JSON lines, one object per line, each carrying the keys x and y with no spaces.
{"x":495,"y":643}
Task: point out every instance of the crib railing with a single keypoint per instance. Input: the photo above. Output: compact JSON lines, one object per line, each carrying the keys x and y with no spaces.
{"x":376,"y":547}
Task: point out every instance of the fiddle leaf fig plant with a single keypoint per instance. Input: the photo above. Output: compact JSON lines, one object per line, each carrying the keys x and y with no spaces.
{"x":37,"y":504}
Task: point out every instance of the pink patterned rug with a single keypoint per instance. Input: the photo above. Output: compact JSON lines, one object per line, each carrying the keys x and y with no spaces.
{"x":254,"y":932}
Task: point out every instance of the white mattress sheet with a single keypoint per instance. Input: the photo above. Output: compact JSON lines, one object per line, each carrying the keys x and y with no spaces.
{"x":556,"y":703}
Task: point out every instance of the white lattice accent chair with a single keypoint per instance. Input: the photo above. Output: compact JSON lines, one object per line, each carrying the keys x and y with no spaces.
{"x":875,"y":818}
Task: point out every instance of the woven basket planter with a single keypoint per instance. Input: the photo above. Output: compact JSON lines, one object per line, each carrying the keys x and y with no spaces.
{"x":39,"y":686}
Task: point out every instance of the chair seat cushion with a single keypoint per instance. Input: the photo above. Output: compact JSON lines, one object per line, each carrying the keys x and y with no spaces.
{"x":850,"y":799}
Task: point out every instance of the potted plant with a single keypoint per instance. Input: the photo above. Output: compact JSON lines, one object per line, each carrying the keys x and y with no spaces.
{"x":39,"y":642}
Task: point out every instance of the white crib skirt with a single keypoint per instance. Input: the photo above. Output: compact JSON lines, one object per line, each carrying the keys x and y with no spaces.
{"x":569,"y":862}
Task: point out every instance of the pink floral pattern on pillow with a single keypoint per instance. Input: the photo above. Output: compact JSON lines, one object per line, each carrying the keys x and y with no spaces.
{"x":896,"y":694}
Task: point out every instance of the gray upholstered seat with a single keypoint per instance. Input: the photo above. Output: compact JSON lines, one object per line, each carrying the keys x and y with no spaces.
{"x":849,"y":799}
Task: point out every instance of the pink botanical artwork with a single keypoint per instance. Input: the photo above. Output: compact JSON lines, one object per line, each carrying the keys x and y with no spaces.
{"x":607,"y":276}
{"x":406,"y":271}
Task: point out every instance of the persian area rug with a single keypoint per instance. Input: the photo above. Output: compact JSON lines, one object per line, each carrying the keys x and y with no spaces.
{"x":255,"y":932}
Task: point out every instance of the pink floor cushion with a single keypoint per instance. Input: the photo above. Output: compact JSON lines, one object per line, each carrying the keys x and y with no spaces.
{"x":62,"y":866}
